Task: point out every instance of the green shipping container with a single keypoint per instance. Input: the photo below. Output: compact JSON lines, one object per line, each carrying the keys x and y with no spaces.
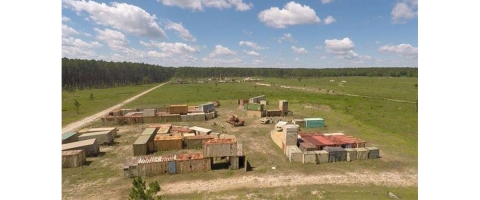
{"x":254,"y":106}
{"x":314,"y":122}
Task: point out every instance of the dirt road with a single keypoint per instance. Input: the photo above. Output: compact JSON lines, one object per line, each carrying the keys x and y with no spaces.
{"x":79,"y":124}
{"x":385,"y":178}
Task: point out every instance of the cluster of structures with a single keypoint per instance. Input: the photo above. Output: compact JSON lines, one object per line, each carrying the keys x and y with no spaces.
{"x":255,"y":107}
{"x":320,"y":148}
{"x":76,"y":146}
{"x":165,"y":137}
{"x":173,"y":113}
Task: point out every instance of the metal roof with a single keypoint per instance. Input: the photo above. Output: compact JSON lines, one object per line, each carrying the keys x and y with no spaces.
{"x":219,"y":141}
{"x":156,"y":159}
{"x":67,"y":135}
{"x":312,"y":119}
{"x":199,"y":137}
{"x":167,"y":137}
{"x":143,"y":139}
{"x":72,"y":152}
{"x":94,"y":133}
{"x":196,"y":128}
{"x":78,"y":144}
{"x":189,"y":156}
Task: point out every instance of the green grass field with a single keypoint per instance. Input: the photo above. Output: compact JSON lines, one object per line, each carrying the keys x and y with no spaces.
{"x":104,"y":98}
{"x":389,"y":125}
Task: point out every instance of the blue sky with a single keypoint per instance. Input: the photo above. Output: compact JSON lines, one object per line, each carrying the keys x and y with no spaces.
{"x":244,"y":33}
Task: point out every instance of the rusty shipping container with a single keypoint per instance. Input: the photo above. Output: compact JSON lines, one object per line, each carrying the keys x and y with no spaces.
{"x":130,"y":167}
{"x":219,"y":147}
{"x":179,"y":109}
{"x":90,"y":146}
{"x":196,"y":142}
{"x":306,"y":146}
{"x":69,"y":137}
{"x":141,"y":145}
{"x":73,"y":158}
{"x":362,"y":153}
{"x":166,"y":143}
{"x":351,"y":154}
{"x":189,"y":163}
{"x":273,"y":113}
{"x":154,"y":166}
{"x":103,"y":137}
{"x":149,"y":112}
{"x":322,"y":156}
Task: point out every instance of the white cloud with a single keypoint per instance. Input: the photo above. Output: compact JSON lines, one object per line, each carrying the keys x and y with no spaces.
{"x":125,"y":17}
{"x":286,"y":37}
{"x":249,"y":33}
{"x":115,"y":40}
{"x":68,"y":31}
{"x":183,"y":32}
{"x":252,"y":53}
{"x":75,"y":42}
{"x":174,"y":48}
{"x":343,"y":49}
{"x":319,"y":47}
{"x":220,"y":50}
{"x":256,"y":62}
{"x":77,"y":48}
{"x":200,"y":4}
{"x":291,"y":14}
{"x":252,"y":45}
{"x":404,"y":10}
{"x":300,"y":50}
{"x":339,"y":47}
{"x":65,"y":19}
{"x":156,"y":54}
{"x":214,"y":61}
{"x":406,"y":50}
{"x":327,"y":1}
{"x":329,"y":20}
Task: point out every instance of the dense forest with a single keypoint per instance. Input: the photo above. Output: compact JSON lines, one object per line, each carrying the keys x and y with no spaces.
{"x":80,"y":73}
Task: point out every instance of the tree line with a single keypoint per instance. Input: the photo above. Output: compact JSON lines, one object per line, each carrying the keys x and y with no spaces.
{"x":81,"y":73}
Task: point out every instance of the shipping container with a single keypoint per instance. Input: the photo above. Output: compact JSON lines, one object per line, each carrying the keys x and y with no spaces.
{"x":351,"y":154}
{"x":309,"y":157}
{"x":241,"y":102}
{"x":150,"y":131}
{"x":299,"y":122}
{"x":294,"y":153}
{"x":207,"y":107}
{"x":195,"y":162}
{"x":322,"y":156}
{"x":306,"y":146}
{"x":196,"y":117}
{"x":336,"y":154}
{"x":219,"y":147}
{"x":362,"y":153}
{"x":125,"y":111}
{"x":149,"y":112}
{"x":196,"y":142}
{"x":263,"y":102}
{"x":179,"y":109}
{"x":69,"y":137}
{"x":373,"y":152}
{"x":234,"y":162}
{"x":200,"y":130}
{"x":90,"y":146}
{"x":130,"y":167}
{"x":141,"y":145}
{"x":254,"y":113}
{"x":279,"y":126}
{"x":111,"y":129}
{"x":254,"y":106}
{"x":103,"y":137}
{"x":283,"y":106}
{"x":153,"y":166}
{"x":314,"y":122}
{"x":209,"y":116}
{"x":166,"y":143}
{"x":273,"y":113}
{"x":73,"y":158}
{"x":277,"y":138}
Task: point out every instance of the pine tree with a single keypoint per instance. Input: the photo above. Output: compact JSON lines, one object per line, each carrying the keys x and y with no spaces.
{"x":140,"y":192}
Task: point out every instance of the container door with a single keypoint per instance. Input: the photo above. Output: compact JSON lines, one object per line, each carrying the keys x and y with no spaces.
{"x":171,"y":167}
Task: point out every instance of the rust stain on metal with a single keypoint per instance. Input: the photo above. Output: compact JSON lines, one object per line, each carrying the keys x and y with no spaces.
{"x":190,"y":156}
{"x":220,"y":141}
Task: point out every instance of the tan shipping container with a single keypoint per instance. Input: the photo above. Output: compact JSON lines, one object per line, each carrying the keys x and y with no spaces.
{"x":179,"y":109}
{"x":73,"y":158}
{"x":166,"y":143}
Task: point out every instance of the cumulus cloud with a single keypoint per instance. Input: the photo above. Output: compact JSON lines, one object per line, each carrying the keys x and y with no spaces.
{"x":291,"y":14}
{"x":404,"y":10}
{"x":200,"y":4}
{"x":121,"y":16}
{"x":220,"y":50}
{"x":285,"y":37}
{"x":182,"y":32}
{"x":343,"y":49}
{"x":252,"y":53}
{"x":216,"y":61}
{"x":173,"y":48}
{"x":339,"y":47}
{"x":329,"y":20}
{"x":256,"y":62}
{"x":156,"y":54}
{"x":114,"y":39}
{"x":300,"y":50}
{"x":327,"y":1}
{"x":68,"y":31}
{"x":252,"y":45}
{"x":406,"y":50}
{"x":77,"y":48}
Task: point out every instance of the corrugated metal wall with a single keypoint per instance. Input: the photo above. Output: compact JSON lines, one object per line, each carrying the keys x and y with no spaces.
{"x":73,"y":158}
{"x":104,"y":137}
{"x":322,"y":156}
{"x":373,"y":152}
{"x":362,"y":153}
{"x":309,"y":158}
{"x":351,"y":154}
{"x":166,"y":143}
{"x":220,"y":149}
{"x":193,"y":165}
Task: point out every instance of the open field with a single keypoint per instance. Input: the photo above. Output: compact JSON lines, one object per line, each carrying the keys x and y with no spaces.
{"x":388,"y":125}
{"x":104,"y":98}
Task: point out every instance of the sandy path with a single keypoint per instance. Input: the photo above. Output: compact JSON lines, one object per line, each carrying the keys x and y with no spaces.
{"x":399,"y":179}
{"x":79,"y":124}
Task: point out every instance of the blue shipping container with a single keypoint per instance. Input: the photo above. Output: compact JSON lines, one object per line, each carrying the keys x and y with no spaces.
{"x":314,"y":122}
